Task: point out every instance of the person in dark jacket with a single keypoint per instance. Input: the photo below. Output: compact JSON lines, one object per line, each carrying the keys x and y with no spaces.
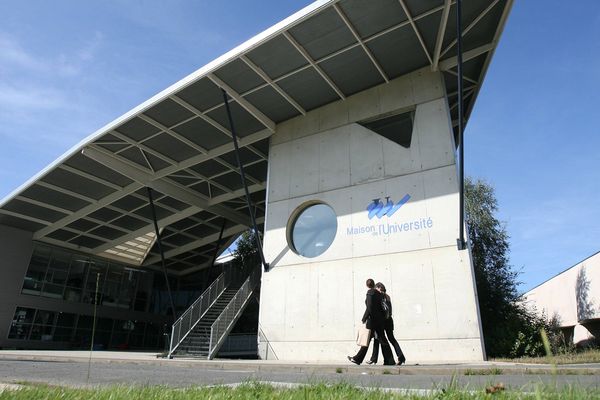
{"x":374,"y":318}
{"x":389,"y":330}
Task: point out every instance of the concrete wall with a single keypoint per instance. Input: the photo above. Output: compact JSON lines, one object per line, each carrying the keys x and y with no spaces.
{"x":15,"y":251}
{"x":311,"y":307}
{"x":573,"y":296}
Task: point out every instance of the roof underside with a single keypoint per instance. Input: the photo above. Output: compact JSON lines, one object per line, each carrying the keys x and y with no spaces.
{"x":179,"y":142}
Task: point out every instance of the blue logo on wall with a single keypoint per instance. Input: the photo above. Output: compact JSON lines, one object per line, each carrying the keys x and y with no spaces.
{"x":378,"y":209}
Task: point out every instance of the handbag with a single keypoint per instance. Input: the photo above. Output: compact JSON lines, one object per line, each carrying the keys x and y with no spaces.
{"x":363,"y":336}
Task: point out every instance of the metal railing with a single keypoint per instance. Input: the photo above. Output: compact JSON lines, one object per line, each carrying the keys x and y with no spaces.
{"x":224,"y":322}
{"x":190,"y":318}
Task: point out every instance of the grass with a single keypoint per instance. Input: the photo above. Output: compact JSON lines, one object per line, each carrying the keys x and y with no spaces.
{"x":588,"y":356}
{"x":489,"y":371}
{"x":561,"y":371}
{"x":263,"y":391}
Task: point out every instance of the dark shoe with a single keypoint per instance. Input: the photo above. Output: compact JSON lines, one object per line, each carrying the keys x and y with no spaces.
{"x":351,"y":359}
{"x":401,"y":361}
{"x":370,"y":362}
{"x":389,"y":363}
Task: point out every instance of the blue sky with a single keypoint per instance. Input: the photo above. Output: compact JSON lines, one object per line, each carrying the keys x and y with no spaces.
{"x":69,"y":67}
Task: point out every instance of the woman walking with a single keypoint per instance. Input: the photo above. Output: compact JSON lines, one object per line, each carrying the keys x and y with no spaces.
{"x":374,"y":318}
{"x":389,"y":329}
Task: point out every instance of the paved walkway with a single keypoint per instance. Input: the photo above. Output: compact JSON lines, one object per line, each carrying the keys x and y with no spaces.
{"x":132,"y":368}
{"x":297,"y":366}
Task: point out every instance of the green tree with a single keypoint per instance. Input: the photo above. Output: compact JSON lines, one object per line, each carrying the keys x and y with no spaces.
{"x":509,"y":328}
{"x":246,"y":253}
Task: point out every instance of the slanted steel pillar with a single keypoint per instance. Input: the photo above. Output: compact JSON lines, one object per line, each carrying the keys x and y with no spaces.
{"x":241,"y":167}
{"x":160,"y":249}
{"x":461,"y":243}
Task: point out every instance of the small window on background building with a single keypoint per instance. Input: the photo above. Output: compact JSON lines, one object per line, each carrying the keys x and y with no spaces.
{"x":312,"y":230}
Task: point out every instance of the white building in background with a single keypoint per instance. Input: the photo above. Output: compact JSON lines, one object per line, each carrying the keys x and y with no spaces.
{"x":573,"y":297}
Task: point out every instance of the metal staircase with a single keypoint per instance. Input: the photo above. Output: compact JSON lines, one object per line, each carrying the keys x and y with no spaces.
{"x":204,"y":326}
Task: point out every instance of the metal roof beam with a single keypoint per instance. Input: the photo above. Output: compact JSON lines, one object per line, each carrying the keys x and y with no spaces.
{"x":274,"y":85}
{"x":466,"y":93}
{"x":44,"y":205}
{"x":414,"y":26}
{"x":190,"y":144}
{"x":343,"y":50}
{"x":470,"y":26}
{"x":201,"y":242}
{"x":25,"y":217}
{"x":255,"y":112}
{"x":448,"y":63}
{"x":466,"y":78}
{"x":162,"y":185}
{"x":105,"y":201}
{"x":145,"y":148}
{"x":488,"y":58}
{"x":132,"y":187}
{"x":89,"y":176}
{"x":65,"y":191}
{"x":180,"y":215}
{"x":312,"y":62}
{"x":211,"y":121}
{"x":360,"y":41}
{"x":440,"y":36}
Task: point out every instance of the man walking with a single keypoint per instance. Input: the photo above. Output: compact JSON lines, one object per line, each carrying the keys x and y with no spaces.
{"x":374,"y":317}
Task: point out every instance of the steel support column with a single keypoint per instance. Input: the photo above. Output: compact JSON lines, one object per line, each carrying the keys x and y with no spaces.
{"x":461,"y":243}
{"x":160,"y":250}
{"x":241,"y":167}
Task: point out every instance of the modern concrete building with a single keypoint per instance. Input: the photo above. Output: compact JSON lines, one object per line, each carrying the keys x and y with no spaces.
{"x":573,"y":299}
{"x":345,"y":115}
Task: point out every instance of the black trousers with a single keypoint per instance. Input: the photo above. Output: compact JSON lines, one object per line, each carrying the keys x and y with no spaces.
{"x":389,"y":331}
{"x":385,"y":348}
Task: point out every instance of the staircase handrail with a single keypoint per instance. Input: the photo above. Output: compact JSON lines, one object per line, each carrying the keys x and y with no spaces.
{"x":231,"y":312}
{"x":190,"y":318}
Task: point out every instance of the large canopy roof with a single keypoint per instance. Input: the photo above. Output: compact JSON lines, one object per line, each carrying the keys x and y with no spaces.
{"x":94,"y":198}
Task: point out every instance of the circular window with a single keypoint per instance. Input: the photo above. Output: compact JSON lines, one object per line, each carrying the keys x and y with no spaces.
{"x":312,"y":230}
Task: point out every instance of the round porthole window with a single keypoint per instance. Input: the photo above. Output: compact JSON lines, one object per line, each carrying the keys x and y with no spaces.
{"x":312,"y":230}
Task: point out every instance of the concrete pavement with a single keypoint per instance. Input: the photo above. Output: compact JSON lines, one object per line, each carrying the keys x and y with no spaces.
{"x":112,"y":368}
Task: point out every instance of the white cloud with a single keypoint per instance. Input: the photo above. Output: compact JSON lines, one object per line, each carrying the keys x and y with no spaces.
{"x":14,"y":58}
{"x":13,"y":55}
{"x":30,"y":97}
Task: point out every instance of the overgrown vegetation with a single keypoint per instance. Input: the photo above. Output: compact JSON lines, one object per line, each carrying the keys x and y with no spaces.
{"x":571,"y":357}
{"x":509,"y":328}
{"x":264,"y":391}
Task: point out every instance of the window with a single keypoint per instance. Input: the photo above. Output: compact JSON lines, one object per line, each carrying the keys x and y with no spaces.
{"x":70,"y":276}
{"x":397,"y":128}
{"x":312,"y":230}
{"x":21,"y":324}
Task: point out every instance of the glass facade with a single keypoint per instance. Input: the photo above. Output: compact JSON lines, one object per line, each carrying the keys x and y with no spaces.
{"x":59,"y":274}
{"x":76,"y":330}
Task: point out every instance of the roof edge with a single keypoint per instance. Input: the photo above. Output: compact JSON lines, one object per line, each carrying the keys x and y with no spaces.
{"x":246,"y":46}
